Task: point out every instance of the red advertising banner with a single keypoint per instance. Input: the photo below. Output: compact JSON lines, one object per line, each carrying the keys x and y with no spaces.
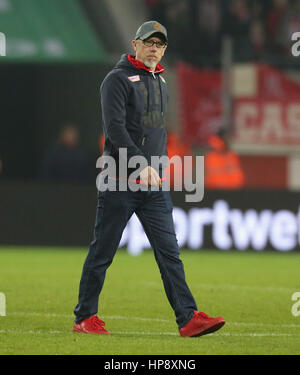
{"x":200,"y":103}
{"x":268,"y":114}
{"x":272,"y":114}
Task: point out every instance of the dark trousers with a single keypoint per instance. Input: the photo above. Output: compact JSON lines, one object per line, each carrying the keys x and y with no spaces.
{"x":154,"y":210}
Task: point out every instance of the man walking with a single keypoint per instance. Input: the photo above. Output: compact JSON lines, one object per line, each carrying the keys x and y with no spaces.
{"x":134,"y":99}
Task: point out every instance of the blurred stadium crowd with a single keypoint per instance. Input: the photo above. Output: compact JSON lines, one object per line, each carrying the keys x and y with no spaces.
{"x":260,"y":29}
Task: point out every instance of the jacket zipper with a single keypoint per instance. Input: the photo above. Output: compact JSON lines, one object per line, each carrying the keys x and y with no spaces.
{"x":161,"y":99}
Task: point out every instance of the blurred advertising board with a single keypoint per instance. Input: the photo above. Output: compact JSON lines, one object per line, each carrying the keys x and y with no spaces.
{"x":242,"y":221}
{"x":269,"y":112}
{"x":57,"y":215}
{"x":265,"y":105}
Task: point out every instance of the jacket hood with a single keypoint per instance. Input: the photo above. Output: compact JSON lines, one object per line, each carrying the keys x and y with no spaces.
{"x":130,"y":62}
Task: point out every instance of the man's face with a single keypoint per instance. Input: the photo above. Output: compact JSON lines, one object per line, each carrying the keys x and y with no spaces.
{"x":149,"y":55}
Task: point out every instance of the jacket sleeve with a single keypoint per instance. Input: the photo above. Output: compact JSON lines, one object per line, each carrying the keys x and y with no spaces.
{"x":114,"y":93}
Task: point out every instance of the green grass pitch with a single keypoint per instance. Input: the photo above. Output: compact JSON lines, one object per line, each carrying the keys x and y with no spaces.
{"x":251,"y":290}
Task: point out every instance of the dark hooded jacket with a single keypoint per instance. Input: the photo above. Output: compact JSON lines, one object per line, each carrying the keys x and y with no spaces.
{"x":134,"y":102}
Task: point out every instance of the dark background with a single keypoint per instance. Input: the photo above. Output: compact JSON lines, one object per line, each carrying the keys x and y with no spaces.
{"x":63,"y":215}
{"x":35,"y":102}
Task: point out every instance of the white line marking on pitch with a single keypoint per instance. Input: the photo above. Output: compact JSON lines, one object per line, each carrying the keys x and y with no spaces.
{"x":247,"y":287}
{"x":120,"y":317}
{"x":230,"y":286}
{"x":141,"y":333}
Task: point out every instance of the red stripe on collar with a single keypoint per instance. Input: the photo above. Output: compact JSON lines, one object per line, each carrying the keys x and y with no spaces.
{"x":139,"y":65}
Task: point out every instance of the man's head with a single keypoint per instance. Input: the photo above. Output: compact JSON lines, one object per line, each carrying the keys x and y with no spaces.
{"x":150,"y":43}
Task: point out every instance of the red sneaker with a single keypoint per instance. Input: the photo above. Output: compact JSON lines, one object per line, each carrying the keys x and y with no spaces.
{"x":91,"y":325}
{"x":201,"y":324}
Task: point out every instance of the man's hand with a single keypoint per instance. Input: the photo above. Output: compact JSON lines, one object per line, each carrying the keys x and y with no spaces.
{"x":149,"y":176}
